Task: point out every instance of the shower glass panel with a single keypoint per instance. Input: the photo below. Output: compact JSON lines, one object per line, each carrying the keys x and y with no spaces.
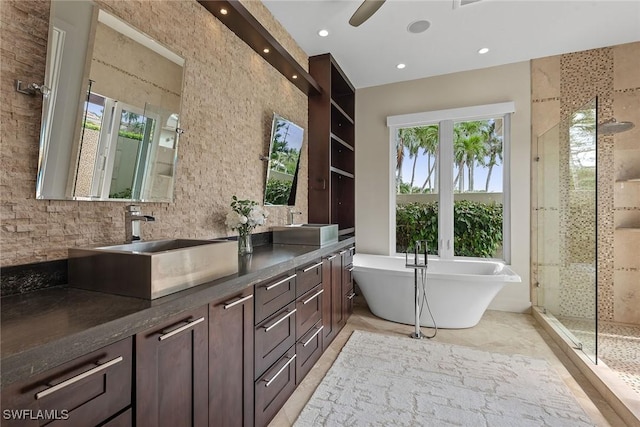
{"x":566,"y":226}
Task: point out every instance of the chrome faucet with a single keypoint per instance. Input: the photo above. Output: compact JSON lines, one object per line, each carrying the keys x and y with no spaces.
{"x":291,"y":214}
{"x":132,"y":218}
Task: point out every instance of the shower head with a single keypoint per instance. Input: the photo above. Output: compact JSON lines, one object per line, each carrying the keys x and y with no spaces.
{"x":611,"y":126}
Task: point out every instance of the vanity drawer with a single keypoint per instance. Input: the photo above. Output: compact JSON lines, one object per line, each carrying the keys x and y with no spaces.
{"x":309,"y":310}
{"x":274,"y":337}
{"x":272,"y":295}
{"x":309,"y":277}
{"x":84,"y":392}
{"x":308,"y":351}
{"x":274,"y":387}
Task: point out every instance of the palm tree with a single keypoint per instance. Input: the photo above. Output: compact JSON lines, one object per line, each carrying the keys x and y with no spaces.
{"x":429,"y":139}
{"x":399,"y":159}
{"x":493,"y":150}
{"x":468,"y":146}
{"x":408,"y":139}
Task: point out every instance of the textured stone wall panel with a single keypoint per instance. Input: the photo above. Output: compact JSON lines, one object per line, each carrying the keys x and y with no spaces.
{"x":229,"y":96}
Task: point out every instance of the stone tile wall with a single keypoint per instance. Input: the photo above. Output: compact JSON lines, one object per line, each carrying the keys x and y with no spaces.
{"x":228,"y":97}
{"x":560,"y":85}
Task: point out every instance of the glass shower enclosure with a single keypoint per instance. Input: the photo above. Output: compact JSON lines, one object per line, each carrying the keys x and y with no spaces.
{"x":566,"y":227}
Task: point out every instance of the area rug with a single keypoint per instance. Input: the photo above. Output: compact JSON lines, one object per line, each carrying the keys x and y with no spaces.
{"x":380,"y":380}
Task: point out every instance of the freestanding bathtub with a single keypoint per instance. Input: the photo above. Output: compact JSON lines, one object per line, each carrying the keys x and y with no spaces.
{"x":458,"y":291}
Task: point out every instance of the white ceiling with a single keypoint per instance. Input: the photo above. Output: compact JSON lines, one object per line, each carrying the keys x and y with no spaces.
{"x":514,"y":30}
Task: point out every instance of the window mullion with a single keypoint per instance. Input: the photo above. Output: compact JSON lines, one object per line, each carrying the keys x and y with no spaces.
{"x":445,"y":190}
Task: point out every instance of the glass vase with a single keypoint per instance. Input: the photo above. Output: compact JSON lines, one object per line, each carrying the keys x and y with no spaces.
{"x":245,"y":245}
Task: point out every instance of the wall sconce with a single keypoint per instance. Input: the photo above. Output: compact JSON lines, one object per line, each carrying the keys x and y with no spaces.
{"x":32,"y":89}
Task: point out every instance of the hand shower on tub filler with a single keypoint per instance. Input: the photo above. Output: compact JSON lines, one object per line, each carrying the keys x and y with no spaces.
{"x":420,"y":264}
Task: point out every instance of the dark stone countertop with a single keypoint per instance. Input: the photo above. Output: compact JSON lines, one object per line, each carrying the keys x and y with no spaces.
{"x":43,"y":329}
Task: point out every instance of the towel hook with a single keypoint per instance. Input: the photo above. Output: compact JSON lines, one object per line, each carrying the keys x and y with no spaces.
{"x":32,"y":89}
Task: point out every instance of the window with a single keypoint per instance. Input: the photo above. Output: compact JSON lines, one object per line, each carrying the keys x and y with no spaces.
{"x":451,"y":180}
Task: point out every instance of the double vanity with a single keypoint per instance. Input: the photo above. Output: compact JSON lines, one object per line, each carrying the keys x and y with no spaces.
{"x":137,"y":350}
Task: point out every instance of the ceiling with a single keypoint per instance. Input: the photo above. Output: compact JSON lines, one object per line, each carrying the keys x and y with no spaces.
{"x":513,"y":30}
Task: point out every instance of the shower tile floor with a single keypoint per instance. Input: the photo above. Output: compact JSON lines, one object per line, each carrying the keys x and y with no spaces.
{"x":618,"y":346}
{"x":500,"y":332}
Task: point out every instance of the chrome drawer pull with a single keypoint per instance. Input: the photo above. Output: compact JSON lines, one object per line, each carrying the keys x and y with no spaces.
{"x":279,"y":371}
{"x":78,"y":377}
{"x":280,"y":282}
{"x":350,"y":269}
{"x":312,"y":297}
{"x":306,"y":343}
{"x":350,"y":297}
{"x":312,"y":267}
{"x":180,"y":329}
{"x":331,"y":257}
{"x":352,"y":249}
{"x":282,"y":319}
{"x":342,"y":252}
{"x":228,"y":305}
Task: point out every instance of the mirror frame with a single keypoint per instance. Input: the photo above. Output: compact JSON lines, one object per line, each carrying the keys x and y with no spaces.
{"x":271,"y":168}
{"x":59,"y":154}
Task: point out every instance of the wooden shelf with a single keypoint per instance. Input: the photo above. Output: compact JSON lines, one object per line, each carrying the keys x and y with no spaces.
{"x":629,"y":229}
{"x":341,"y":172}
{"x":344,"y":113}
{"x":341,"y":141}
{"x":244,"y":25}
{"x":623,"y":181}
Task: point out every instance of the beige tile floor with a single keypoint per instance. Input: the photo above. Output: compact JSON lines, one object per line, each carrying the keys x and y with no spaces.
{"x":500,"y":332}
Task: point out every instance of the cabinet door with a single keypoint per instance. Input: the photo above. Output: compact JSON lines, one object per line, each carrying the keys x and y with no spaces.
{"x":327,"y":296}
{"x":83,"y":392}
{"x":231,"y":361}
{"x":337,"y":272}
{"x":172,"y":372}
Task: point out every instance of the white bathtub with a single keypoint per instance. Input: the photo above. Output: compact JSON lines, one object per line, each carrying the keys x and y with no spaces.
{"x":458,"y":291}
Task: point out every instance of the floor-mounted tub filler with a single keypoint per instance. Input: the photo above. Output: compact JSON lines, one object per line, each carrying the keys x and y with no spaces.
{"x":458,"y":291}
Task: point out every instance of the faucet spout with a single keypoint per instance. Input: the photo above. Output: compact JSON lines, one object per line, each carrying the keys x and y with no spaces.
{"x":132,"y":218}
{"x":293,"y":212}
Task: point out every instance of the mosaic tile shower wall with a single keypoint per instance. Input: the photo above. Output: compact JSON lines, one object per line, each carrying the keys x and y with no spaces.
{"x":560,"y":85}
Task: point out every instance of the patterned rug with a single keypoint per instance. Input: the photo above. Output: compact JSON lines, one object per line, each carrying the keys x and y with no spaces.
{"x":380,"y":380}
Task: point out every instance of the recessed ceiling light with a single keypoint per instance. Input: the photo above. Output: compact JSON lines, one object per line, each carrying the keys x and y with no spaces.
{"x":400,"y":66}
{"x":323,"y":33}
{"x":483,"y":50}
{"x":417,"y":27}
{"x":223,"y":11}
{"x":295,"y":76}
{"x":265,"y":50}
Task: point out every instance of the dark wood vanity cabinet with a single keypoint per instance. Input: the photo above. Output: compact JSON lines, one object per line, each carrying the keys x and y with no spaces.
{"x":171,"y":372}
{"x":88,"y":391}
{"x":231,"y":352}
{"x":338,"y":293}
{"x":331,"y":146}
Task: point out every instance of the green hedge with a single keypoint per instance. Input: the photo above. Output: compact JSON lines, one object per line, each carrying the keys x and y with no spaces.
{"x":277,"y":192}
{"x":477,"y":227}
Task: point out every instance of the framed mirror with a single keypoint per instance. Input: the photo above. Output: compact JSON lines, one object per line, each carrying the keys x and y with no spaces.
{"x":284,"y":161}
{"x":110,"y":124}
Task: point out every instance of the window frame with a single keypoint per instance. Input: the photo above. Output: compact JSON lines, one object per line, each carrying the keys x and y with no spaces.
{"x":445,"y":120}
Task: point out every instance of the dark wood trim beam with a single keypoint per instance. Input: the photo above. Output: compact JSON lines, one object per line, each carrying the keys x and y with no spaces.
{"x":244,"y":25}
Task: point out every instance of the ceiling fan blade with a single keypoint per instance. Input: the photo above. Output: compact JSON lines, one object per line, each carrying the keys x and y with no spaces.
{"x":365,"y":11}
